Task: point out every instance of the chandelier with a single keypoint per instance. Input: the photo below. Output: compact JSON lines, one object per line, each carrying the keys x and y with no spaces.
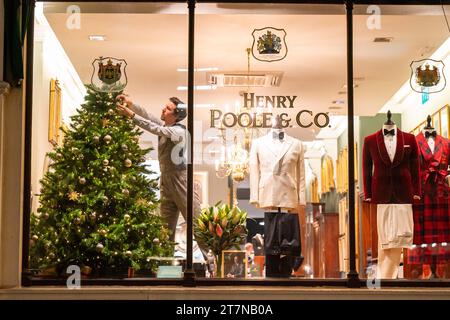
{"x":234,"y":160}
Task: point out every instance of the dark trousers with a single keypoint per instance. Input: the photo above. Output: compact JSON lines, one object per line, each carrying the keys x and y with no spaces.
{"x":281,"y":243}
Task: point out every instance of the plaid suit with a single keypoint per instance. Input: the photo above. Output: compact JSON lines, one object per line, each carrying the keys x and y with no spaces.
{"x":431,"y":213}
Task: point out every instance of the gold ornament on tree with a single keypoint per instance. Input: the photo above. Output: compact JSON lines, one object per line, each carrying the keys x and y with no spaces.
{"x":127,"y":163}
{"x":107,"y":138}
{"x":73,"y":196}
{"x":99,"y":247}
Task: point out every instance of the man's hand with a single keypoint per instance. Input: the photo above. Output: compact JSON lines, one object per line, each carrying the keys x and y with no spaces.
{"x":123,"y":110}
{"x":125,"y":100}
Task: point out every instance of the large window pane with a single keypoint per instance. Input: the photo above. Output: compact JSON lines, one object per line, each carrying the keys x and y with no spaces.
{"x":106,"y":194}
{"x":282,"y":177}
{"x":404,"y":215}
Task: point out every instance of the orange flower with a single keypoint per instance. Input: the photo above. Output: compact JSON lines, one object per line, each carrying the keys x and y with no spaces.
{"x":219,"y":231}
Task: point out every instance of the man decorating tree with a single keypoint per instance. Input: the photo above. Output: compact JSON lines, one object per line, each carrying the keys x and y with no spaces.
{"x":171,"y":145}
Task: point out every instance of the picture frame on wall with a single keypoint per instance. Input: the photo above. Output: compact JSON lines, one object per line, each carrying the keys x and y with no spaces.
{"x":234,"y":264}
{"x":54,"y":121}
{"x":444,"y":114}
{"x":201,"y":187}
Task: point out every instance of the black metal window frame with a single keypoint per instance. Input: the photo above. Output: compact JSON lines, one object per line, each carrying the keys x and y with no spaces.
{"x":189,"y":279}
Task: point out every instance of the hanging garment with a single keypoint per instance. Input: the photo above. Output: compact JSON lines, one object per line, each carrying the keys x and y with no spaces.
{"x":432,"y":212}
{"x":327,"y":174}
{"x":277,"y":174}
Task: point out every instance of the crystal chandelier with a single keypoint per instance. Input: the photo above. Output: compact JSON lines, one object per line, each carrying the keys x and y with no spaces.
{"x":234,"y":161}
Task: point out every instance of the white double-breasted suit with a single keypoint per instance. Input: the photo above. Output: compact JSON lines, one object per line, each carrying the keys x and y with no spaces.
{"x":277,"y":173}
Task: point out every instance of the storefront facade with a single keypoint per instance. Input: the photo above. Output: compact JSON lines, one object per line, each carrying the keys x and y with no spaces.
{"x":273,"y":95}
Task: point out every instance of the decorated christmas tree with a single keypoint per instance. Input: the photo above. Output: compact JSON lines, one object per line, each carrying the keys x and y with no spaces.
{"x":98,"y":206}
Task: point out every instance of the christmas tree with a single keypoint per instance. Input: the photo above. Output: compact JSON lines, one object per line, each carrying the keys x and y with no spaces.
{"x":98,"y":209}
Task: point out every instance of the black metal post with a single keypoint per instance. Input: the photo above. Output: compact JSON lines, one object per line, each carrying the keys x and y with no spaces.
{"x":352,"y":276}
{"x":189,"y":274}
{"x":27,"y":149}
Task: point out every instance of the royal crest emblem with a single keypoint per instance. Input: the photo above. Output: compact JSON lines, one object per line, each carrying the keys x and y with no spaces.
{"x":269,"y":44}
{"x":109,"y":74}
{"x":427,"y":76}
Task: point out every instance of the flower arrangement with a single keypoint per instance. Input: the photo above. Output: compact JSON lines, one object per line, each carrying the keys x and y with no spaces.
{"x":220,"y":227}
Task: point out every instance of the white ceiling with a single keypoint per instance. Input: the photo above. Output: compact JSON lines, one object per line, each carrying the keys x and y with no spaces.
{"x":155,"y":45}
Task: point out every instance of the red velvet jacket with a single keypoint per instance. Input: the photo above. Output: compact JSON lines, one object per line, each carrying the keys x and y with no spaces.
{"x":386,"y":181}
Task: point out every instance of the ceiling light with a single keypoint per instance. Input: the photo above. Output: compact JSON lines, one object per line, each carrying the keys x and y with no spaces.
{"x":202,"y":87}
{"x":354,"y":86}
{"x":97,"y":37}
{"x":199,"y":69}
{"x":340,"y":101}
{"x":383,"y":39}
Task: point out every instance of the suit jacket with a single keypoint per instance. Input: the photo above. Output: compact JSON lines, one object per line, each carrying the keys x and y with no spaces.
{"x":277,"y":179}
{"x":386,"y":181}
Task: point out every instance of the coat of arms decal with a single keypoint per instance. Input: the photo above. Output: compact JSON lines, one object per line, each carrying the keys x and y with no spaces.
{"x":109,"y":74}
{"x":269,"y":44}
{"x":427,"y":76}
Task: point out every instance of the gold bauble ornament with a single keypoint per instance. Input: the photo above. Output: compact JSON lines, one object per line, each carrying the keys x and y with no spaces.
{"x":93,"y":216}
{"x":99,"y":247}
{"x":51,"y":255}
{"x":128,"y":253}
{"x":103,"y":232}
{"x":96,"y":139}
{"x":127,"y":163}
{"x":45,"y":216}
{"x":126,"y":216}
{"x":124,"y":147}
{"x":77,"y":221}
{"x":105,"y":162}
{"x":82,"y":180}
{"x":156,"y":241}
{"x":110,"y":112}
{"x":35,"y":237}
{"x":107,"y":138}
{"x":125,"y":192}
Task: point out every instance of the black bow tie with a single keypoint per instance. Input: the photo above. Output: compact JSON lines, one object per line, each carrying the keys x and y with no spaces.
{"x":430,"y":134}
{"x":389,"y":132}
{"x":278,"y":135}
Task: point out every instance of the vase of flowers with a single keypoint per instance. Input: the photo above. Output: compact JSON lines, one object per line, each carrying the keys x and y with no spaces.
{"x":220,"y":227}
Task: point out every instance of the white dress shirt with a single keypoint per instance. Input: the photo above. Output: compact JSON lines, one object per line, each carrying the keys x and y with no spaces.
{"x":391,"y":142}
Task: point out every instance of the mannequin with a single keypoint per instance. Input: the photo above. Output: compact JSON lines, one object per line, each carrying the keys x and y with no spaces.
{"x":277,"y":184}
{"x":431,"y":214}
{"x":391,"y":175}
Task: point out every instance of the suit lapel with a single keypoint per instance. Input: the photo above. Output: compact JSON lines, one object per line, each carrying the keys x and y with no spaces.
{"x":438,"y":148}
{"x":400,"y":150}
{"x":424,"y":147}
{"x":284,"y":148}
{"x":382,"y":148}
{"x":271,"y":146}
